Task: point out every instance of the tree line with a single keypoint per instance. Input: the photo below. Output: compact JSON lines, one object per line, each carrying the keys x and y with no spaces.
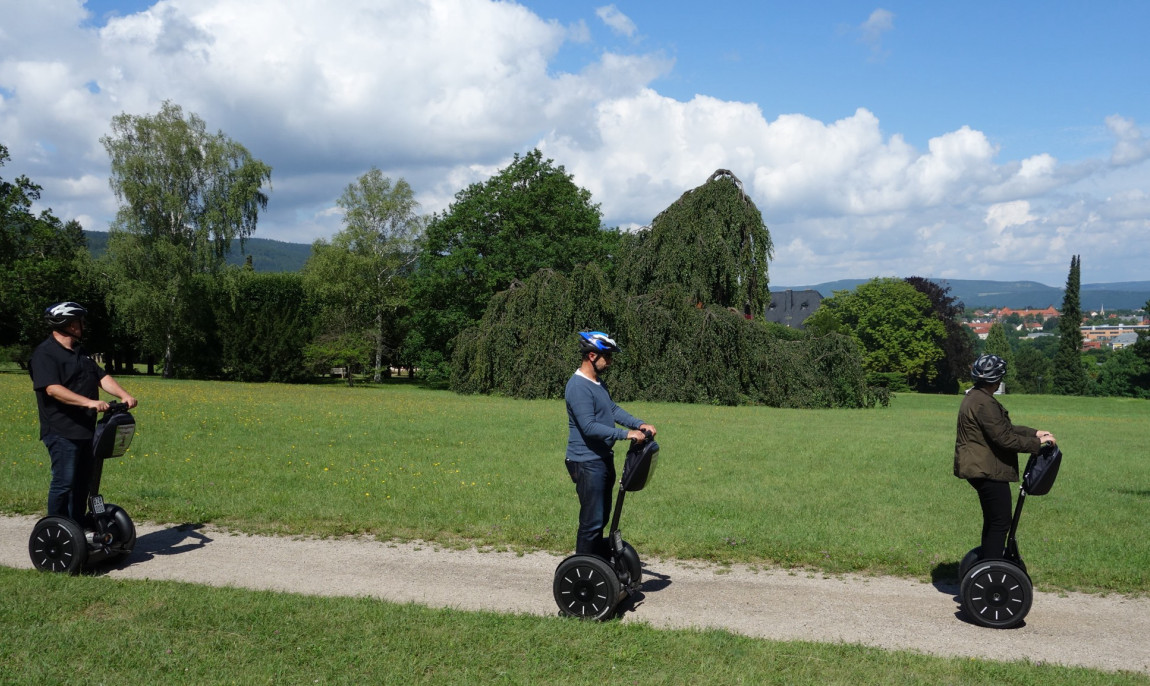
{"x":484,"y":296}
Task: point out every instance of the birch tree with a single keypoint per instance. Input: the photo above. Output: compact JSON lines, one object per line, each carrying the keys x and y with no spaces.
{"x":185,"y":195}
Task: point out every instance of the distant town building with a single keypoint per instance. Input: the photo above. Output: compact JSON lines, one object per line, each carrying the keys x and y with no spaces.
{"x":791,"y":308}
{"x":1043,"y":314}
{"x":1111,"y":336}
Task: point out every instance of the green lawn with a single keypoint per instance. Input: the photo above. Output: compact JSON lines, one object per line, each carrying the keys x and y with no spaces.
{"x":836,"y":490}
{"x":59,"y":629}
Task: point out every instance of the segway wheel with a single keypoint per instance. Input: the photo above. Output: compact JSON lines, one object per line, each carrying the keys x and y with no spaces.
{"x":57,"y":544}
{"x":586,"y":587}
{"x":632,"y":567}
{"x":123,"y":532}
{"x":996,"y":594}
{"x":968,"y":561}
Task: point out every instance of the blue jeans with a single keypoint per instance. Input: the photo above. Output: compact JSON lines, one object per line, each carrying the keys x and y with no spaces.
{"x":71,"y":468}
{"x":593,"y":482}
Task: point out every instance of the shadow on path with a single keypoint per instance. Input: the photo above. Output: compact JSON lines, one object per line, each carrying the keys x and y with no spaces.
{"x":653,"y":583}
{"x":175,"y":540}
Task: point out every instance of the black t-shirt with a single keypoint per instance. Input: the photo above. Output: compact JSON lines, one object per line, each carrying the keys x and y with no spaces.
{"x":53,"y":364}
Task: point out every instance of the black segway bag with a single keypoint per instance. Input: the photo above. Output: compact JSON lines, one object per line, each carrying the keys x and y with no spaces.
{"x":640,"y":465}
{"x":114,"y":433}
{"x":1041,"y":470}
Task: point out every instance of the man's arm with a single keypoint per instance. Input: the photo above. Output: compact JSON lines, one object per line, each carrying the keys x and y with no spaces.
{"x":67,"y":397}
{"x":109,"y":384}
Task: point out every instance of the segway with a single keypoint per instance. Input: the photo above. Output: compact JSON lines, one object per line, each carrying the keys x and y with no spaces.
{"x":590,"y":586}
{"x":59,"y":544}
{"x":997,"y":593}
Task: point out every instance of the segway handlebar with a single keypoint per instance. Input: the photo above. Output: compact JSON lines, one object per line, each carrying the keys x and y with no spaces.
{"x":116,"y":406}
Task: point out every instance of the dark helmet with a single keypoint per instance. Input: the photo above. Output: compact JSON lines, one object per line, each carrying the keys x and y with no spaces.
{"x":596,"y":342}
{"x":60,"y":314}
{"x":988,"y":368}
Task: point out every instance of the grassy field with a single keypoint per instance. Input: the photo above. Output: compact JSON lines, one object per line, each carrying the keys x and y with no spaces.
{"x":60,"y":629}
{"x":835,"y":490}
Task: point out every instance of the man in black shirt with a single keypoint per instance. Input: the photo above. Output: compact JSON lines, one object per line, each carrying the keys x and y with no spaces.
{"x":67,"y":384}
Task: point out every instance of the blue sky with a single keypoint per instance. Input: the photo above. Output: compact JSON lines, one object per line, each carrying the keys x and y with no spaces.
{"x":971,"y":140}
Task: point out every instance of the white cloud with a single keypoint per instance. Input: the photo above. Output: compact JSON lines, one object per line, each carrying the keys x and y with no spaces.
{"x":1129,"y":145}
{"x":871,"y":31}
{"x":616,"y":20}
{"x":1005,"y":215}
{"x":443,"y":92}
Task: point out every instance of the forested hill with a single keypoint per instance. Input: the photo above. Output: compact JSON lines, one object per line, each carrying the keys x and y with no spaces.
{"x":267,"y":255}
{"x":278,"y":256}
{"x":1126,"y":295}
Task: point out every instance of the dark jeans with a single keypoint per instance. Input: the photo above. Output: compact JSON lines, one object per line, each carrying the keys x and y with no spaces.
{"x":994,"y":496}
{"x":593,"y":482}
{"x":71,"y":469}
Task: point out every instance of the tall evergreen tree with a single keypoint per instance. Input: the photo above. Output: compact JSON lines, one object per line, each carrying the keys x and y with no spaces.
{"x":1069,"y":377}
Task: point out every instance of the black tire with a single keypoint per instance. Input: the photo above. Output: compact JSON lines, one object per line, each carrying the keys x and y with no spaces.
{"x":996,"y":594}
{"x":632,"y":567}
{"x":57,"y":544}
{"x":123,"y":532}
{"x":968,"y":561}
{"x":586,"y":587}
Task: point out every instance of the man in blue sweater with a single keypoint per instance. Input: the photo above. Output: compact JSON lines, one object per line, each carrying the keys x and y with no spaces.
{"x":591,"y":420}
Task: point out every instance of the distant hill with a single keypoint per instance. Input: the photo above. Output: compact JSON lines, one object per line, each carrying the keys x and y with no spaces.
{"x":1126,"y":295}
{"x":267,"y":255}
{"x":279,"y":256}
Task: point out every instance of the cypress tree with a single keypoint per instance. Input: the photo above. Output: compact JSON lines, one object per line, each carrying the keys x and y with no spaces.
{"x":1069,"y":377}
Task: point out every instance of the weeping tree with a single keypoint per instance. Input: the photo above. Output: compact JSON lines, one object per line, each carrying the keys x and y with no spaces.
{"x":672,"y":350}
{"x":682,"y":328}
{"x":711,"y":242}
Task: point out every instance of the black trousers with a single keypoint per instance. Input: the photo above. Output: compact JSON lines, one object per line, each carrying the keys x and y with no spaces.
{"x":994,"y":496}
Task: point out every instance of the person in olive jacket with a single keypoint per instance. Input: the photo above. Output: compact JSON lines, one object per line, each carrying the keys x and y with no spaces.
{"x":986,"y":450}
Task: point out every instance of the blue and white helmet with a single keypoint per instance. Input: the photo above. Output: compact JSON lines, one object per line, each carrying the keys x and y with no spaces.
{"x":596,"y":342}
{"x":60,"y":314}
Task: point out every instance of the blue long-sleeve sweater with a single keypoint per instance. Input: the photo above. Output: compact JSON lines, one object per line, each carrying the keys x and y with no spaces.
{"x":591,"y":420}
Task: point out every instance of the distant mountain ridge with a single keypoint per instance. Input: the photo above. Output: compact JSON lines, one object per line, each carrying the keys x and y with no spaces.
{"x":976,"y":294}
{"x":267,"y":255}
{"x":279,"y":256}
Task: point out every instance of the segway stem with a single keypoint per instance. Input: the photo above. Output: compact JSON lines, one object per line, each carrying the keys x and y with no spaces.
{"x":616,"y":541}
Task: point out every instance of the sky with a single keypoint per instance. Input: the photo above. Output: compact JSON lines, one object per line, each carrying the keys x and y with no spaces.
{"x":976,"y":140}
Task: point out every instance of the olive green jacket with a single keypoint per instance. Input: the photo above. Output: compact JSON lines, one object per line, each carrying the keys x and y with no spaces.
{"x":987,"y":444}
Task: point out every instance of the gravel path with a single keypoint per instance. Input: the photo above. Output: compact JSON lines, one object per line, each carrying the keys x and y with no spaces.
{"x":1110,"y":633}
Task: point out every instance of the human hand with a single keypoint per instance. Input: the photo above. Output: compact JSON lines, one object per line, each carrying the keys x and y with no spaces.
{"x":98,"y":405}
{"x":636,"y":435}
{"x":648,"y":427}
{"x":129,"y":401}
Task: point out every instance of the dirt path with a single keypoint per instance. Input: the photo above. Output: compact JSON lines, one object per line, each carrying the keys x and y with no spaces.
{"x":1110,"y":633}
